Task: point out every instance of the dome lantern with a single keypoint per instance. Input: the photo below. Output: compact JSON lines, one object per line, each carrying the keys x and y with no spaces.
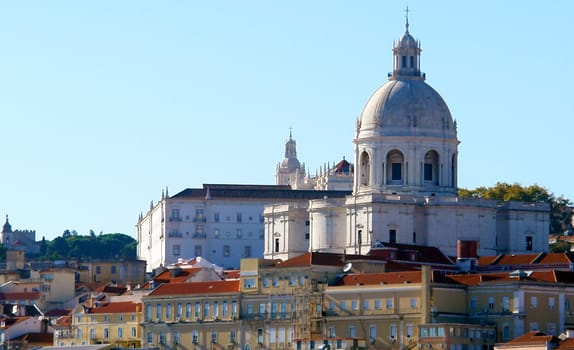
{"x":406,"y":56}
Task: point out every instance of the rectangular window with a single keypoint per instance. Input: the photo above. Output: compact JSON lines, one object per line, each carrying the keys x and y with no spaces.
{"x":158,"y":311}
{"x":413,"y":302}
{"x":239,"y":217}
{"x":352,"y":332}
{"x":226,"y":250}
{"x":113,"y":269}
{"x":331,"y":333}
{"x":206,"y":309}
{"x":412,"y":61}
{"x":179,"y":310}
{"x":224,"y":311}
{"x":197,"y":250}
{"x":389,"y":303}
{"x":106,"y":333}
{"x":276,"y":245}
{"x":148,"y":312}
{"x":365,"y":304}
{"x":409,"y":330}
{"x":473,"y":304}
{"x":260,"y":335}
{"x":533,"y":302}
{"x":249,"y":309}
{"x":551,"y":303}
{"x":372,"y":333}
{"x":214,"y":337}
{"x":197,"y":312}
{"x":150,"y":337}
{"x":354,"y":305}
{"x":98,"y":270}
{"x":529,"y":243}
{"x":392,"y":236}
{"x":393,"y":331}
{"x":249,"y":283}
{"x":168,"y":311}
{"x":176,"y":337}
{"x":215,"y":309}
{"x":491,"y":303}
{"x":239,"y":233}
{"x":262,"y":308}
{"x":215,"y":217}
{"x":216,"y":233}
{"x":403,"y":61}
{"x":332,"y":305}
{"x":414,"y":237}
{"x":234,"y":308}
{"x":505,"y":303}
{"x":120,"y":333}
{"x":343,"y":305}
{"x":195,"y":336}
{"x":187,"y":310}
{"x":292,"y":280}
{"x":176,"y":250}
{"x":247,"y":251}
{"x":428,"y":172}
{"x":378,"y":304}
{"x":232,"y":336}
{"x":199,"y":215}
{"x":396,"y":171}
{"x":134,"y":332}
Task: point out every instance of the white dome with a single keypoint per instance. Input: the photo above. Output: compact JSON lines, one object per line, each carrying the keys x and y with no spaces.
{"x":406,"y":107}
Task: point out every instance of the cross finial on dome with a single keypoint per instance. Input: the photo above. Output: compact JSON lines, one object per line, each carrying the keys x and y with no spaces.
{"x":407,"y":19}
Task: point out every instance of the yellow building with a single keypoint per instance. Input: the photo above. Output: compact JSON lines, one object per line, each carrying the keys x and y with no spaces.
{"x":122,"y":272}
{"x":115,"y":322}
{"x":194,"y":315}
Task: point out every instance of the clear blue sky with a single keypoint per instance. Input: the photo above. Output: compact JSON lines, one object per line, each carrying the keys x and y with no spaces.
{"x":105,"y":103}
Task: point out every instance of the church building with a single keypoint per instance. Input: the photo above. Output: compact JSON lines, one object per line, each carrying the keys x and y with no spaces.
{"x":404,"y":184}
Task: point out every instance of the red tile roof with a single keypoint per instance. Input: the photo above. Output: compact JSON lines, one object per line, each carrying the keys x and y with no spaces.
{"x":117,"y":307}
{"x":174,"y":277}
{"x":533,"y":337}
{"x":210,"y":287}
{"x":20,"y":296}
{"x":380,"y":278}
{"x":313,"y":258}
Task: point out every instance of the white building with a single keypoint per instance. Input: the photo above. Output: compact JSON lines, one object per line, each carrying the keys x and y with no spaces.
{"x":222,"y":223}
{"x":405,"y":184}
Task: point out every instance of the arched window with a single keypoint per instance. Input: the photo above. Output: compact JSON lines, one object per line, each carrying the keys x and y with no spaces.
{"x":430,"y":168}
{"x":365,"y":168}
{"x":395,"y":168}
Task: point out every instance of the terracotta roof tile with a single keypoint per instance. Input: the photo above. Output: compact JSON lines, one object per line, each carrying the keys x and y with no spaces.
{"x":117,"y":307}
{"x":210,"y":287}
{"x":533,"y":337}
{"x":385,"y":277}
{"x":313,"y":258}
{"x":20,"y":296}
{"x":516,"y":259}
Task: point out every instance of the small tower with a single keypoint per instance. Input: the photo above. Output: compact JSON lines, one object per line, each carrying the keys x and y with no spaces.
{"x":406,"y":57}
{"x":289,"y":171}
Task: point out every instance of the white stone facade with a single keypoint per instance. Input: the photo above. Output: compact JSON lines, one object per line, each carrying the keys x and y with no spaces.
{"x":221,"y":223}
{"x":405,"y":184}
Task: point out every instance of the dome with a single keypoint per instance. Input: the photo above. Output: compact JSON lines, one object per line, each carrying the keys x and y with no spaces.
{"x":407,"y":40}
{"x":406,"y":107}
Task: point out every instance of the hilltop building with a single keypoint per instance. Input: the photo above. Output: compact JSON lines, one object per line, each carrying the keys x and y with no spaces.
{"x":21,"y":240}
{"x":404,"y":184}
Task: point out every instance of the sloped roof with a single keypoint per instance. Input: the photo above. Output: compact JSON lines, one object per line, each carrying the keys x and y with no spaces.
{"x":313,"y":258}
{"x":210,"y":287}
{"x":20,"y":296}
{"x":423,"y":254}
{"x":533,"y":337}
{"x":116,"y":307}
{"x":182,"y":275}
{"x":274,"y":192}
{"x":383,"y":278}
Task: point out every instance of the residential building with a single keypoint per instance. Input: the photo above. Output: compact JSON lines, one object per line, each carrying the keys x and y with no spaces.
{"x":120,"y":271}
{"x":107,"y":322}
